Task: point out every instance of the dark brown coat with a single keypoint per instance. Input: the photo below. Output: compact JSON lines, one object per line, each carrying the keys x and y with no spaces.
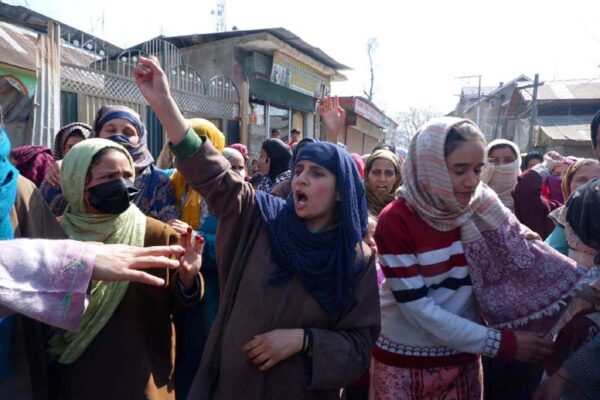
{"x":133,"y":356}
{"x":250,"y":306}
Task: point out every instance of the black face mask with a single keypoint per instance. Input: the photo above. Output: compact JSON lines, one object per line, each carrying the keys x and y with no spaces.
{"x":112,"y":197}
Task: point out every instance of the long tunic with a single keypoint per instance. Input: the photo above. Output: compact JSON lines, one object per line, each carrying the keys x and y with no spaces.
{"x":250,"y":306}
{"x":133,"y":356}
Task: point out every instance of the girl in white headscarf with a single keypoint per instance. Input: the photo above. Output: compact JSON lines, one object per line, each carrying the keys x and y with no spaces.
{"x":502,"y":168}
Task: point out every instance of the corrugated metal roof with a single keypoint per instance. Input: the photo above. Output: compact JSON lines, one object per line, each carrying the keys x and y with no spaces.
{"x":566,"y":129}
{"x":581,"y":89}
{"x":37,"y":22}
{"x":280,"y":33}
{"x":18,"y":47}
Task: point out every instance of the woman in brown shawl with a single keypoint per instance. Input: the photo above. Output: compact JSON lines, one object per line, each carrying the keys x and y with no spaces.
{"x":286,"y":327}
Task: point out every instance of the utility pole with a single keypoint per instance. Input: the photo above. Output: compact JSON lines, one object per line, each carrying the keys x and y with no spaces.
{"x":478,"y":92}
{"x":533,"y":121}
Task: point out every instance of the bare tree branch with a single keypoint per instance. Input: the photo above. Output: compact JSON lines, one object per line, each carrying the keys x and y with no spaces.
{"x":371,"y":47}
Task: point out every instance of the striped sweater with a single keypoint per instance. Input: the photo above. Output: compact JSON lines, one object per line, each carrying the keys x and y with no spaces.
{"x":429,"y":314}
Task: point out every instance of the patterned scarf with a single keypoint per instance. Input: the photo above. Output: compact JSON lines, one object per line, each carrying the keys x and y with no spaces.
{"x":267,"y":184}
{"x":8,"y":193}
{"x":62,"y":136}
{"x":128,"y":227}
{"x":376,"y":200}
{"x":518,"y":283}
{"x":502,"y":179}
{"x":32,"y":162}
{"x":189,"y":202}
{"x":325,"y":261}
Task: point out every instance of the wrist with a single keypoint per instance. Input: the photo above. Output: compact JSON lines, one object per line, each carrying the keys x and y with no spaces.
{"x":187,"y":279}
{"x":564,"y":376}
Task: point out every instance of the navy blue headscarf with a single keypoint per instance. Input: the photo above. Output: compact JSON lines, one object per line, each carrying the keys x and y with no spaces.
{"x":325,"y":261}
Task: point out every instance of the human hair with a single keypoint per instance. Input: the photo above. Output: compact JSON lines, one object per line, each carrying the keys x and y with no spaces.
{"x":384,"y":146}
{"x":97,"y":159}
{"x":295,"y":131}
{"x":532,"y":155}
{"x":502,"y":146}
{"x":275,"y":130}
{"x":460,"y":133}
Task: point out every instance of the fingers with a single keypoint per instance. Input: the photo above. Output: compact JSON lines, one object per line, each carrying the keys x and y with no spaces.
{"x":268,"y":365}
{"x":154,"y":262}
{"x":198,"y":244}
{"x":164,"y":251}
{"x":251,"y":344}
{"x":143,"y":277}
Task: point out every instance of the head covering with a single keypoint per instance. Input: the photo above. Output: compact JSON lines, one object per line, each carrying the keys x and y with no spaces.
{"x":188,"y":201}
{"x":360,"y":163}
{"x":229,"y":152}
{"x":298,"y":147}
{"x":325,"y":261}
{"x":375,"y":199}
{"x":139,"y":151}
{"x":517,"y":283}
{"x":126,"y":228}
{"x":502,"y":179}
{"x":242,"y":149}
{"x":280,"y":154}
{"x":8,"y":193}
{"x":32,"y":162}
{"x":62,"y":136}
{"x":568,"y":179}
{"x":583,"y":213}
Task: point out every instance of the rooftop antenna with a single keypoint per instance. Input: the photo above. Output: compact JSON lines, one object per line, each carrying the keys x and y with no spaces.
{"x":220,"y":16}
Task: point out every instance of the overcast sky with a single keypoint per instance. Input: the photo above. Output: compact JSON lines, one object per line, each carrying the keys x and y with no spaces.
{"x":423,"y":45}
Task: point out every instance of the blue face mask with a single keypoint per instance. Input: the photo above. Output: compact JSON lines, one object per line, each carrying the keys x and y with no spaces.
{"x":121,"y":139}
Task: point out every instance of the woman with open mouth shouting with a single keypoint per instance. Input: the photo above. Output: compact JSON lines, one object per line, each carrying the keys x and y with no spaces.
{"x":299,"y":310}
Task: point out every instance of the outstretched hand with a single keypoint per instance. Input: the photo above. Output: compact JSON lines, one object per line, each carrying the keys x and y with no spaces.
{"x":119,"y":262}
{"x":191,"y":261}
{"x":333,"y":116}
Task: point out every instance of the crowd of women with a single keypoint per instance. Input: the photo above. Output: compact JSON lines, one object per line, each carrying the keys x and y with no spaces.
{"x":455,"y":270}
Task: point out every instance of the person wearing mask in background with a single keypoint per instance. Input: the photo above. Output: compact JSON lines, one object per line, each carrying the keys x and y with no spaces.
{"x":236,"y":160}
{"x":133,"y":321}
{"x":66,"y":137}
{"x":273,"y":164}
{"x":123,"y":125}
{"x":538,"y":193}
{"x":502,"y":169}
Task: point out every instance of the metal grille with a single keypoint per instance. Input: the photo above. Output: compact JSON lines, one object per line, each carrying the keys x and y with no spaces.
{"x":223,"y":88}
{"x":109,"y":86}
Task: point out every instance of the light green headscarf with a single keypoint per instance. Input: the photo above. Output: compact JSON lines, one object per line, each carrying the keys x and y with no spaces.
{"x":128,"y":227}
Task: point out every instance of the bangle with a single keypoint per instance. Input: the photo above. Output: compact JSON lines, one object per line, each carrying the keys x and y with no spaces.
{"x":307,"y":342}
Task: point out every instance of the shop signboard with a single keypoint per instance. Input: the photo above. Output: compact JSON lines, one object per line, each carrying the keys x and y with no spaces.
{"x":294,"y":75}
